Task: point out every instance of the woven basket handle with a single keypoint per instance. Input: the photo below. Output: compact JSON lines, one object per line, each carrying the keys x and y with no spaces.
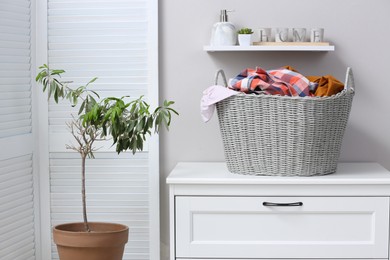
{"x":349,"y":81}
{"x":222,"y":73}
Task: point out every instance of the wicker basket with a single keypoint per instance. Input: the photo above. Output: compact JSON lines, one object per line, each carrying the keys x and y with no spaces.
{"x":282,"y":135}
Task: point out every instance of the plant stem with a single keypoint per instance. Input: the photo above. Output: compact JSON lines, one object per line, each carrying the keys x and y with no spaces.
{"x":86,"y":226}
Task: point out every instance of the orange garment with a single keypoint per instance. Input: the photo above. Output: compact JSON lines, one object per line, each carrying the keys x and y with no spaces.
{"x":288,"y":67}
{"x":327,"y":85}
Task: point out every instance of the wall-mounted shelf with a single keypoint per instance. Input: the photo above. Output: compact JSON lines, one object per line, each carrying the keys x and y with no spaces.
{"x":271,"y":47}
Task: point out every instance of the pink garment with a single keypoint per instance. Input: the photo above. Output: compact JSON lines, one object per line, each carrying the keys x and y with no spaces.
{"x":211,"y":96}
{"x":281,"y":81}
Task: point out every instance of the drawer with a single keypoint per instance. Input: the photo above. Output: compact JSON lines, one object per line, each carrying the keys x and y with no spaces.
{"x":293,"y":227}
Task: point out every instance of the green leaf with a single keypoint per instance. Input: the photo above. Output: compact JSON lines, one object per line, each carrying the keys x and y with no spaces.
{"x":56,"y":95}
{"x":104,"y":130}
{"x":92,"y":100}
{"x":57,"y":72}
{"x":74,"y":101}
{"x":139,"y":143}
{"x":141,"y":124}
{"x":91,"y":81}
{"x":82,"y":107}
{"x":96,"y":94}
{"x":172,"y":110}
{"x":133,"y":145}
{"x":126,"y":122}
{"x":150,"y":122}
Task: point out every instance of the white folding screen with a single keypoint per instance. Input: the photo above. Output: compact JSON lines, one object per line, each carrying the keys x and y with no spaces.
{"x":16,"y":209}
{"x":111,"y":40}
{"x":17,"y":228}
{"x":15,"y":93}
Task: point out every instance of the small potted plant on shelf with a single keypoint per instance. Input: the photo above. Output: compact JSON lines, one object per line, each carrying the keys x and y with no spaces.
{"x":128,"y":124}
{"x":245,"y":36}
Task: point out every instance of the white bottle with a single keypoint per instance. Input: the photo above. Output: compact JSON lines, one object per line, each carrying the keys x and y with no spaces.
{"x":224,"y":33}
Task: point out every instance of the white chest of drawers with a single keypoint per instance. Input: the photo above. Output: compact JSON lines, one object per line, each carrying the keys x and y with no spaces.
{"x":215,"y":214}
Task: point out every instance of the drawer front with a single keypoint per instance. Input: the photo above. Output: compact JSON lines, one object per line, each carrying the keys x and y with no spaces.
{"x":293,"y":227}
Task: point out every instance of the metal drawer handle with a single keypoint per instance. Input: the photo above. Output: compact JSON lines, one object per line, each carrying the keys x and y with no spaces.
{"x":292,"y":204}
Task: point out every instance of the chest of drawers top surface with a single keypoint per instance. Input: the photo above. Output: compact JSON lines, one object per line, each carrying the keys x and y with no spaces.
{"x":217,"y":173}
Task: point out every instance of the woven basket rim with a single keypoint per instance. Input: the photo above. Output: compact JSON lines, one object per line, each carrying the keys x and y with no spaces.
{"x":278,"y":96}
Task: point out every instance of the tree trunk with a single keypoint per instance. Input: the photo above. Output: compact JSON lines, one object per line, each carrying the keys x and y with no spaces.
{"x":86,"y":226}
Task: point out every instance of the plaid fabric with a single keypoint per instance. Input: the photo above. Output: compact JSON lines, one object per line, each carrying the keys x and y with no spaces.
{"x":281,"y":81}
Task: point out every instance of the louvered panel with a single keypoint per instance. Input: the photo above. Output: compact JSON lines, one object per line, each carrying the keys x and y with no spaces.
{"x":15,"y":7}
{"x":101,"y":174}
{"x":14,"y":189}
{"x":11,"y":225}
{"x":137,"y":206}
{"x":19,"y":3}
{"x":84,"y":39}
{"x":15,"y":95}
{"x":15,"y":67}
{"x":95,"y":40}
{"x":15,"y":110}
{"x":124,"y":163}
{"x":13,"y":16}
{"x":138,"y":213}
{"x":19,"y":194}
{"x":15,"y":23}
{"x":98,"y":4}
{"x":139,"y":62}
{"x":10,"y":242}
{"x":16,"y":124}
{"x":107,"y":53}
{"x":15,"y":103}
{"x":108,"y":40}
{"x":123,"y":44}
{"x":24,"y":217}
{"x":109,"y":189}
{"x":138,"y":12}
{"x":21,"y":176}
{"x":15,"y":73}
{"x":137,"y":31}
{"x":130,"y":199}
{"x":98,"y":16}
{"x":134,"y":256}
{"x":7,"y":211}
{"x":17,"y":235}
{"x":22,"y":251}
{"x":14,"y":163}
{"x":14,"y":59}
{"x":9,"y":118}
{"x":8,"y":34}
{"x":14,"y":45}
{"x":117,"y":191}
{"x":15,"y":131}
{"x":105,"y":73}
{"x":58,"y":140}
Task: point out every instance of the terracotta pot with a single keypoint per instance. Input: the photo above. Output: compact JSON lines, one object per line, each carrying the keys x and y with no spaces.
{"x":106,"y":241}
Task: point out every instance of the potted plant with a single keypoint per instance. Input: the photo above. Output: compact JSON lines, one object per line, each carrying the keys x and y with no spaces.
{"x":245,"y":36}
{"x":128,"y":124}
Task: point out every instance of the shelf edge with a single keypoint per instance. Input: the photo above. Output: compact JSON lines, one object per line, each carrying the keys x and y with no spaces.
{"x":314,"y":48}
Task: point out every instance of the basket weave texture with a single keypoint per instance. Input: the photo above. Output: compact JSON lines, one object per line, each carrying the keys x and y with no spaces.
{"x":284,"y":136}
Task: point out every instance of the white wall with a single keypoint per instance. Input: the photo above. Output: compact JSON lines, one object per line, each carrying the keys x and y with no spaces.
{"x":358,"y":28}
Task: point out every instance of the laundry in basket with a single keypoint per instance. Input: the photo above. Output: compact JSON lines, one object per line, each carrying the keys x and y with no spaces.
{"x":283,"y":135}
